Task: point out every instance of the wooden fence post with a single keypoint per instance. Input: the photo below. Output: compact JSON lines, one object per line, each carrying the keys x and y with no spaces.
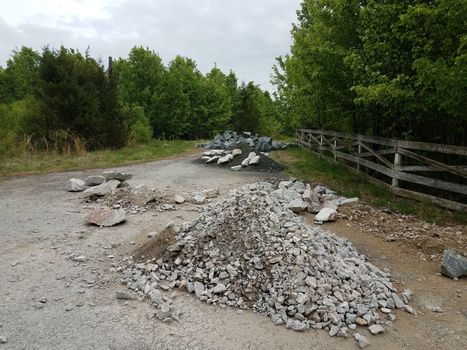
{"x":359,"y":152}
{"x":397,"y":164}
{"x":334,"y":150}
{"x":320,"y":145}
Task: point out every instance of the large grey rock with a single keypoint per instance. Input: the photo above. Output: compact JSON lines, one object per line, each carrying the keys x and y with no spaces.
{"x":285,"y":184}
{"x":102,"y":190}
{"x":453,"y":265}
{"x":75,"y":185}
{"x":237,"y":152}
{"x":3,"y":339}
{"x":220,"y":288}
{"x":106,"y":217}
{"x":94,"y":180}
{"x":254,"y":160}
{"x":326,"y":214}
{"x":247,"y":160}
{"x":213,"y":159}
{"x":306,"y":196}
{"x":362,"y":340}
{"x":227,"y":158}
{"x":299,"y":187}
{"x":297,"y":205}
{"x":116,"y":175}
{"x":376,"y":329}
{"x":156,"y":296}
{"x":285,"y":194}
{"x":199,"y":289}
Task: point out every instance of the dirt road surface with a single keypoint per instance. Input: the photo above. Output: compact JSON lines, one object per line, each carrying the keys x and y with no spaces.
{"x":49,"y":301}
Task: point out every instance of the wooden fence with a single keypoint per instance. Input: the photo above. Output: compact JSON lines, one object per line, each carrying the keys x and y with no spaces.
{"x":416,"y":170}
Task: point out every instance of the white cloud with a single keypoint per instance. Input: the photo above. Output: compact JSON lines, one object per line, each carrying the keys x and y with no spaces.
{"x":242,"y":35}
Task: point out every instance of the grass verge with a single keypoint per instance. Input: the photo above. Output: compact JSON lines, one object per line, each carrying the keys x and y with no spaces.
{"x":43,"y":162}
{"x":305,"y":165}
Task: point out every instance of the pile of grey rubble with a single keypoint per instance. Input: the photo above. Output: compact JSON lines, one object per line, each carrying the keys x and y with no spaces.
{"x":231,"y":139}
{"x":95,"y":186}
{"x":250,"y":251}
{"x":110,"y":197}
{"x":320,"y":200}
{"x":98,"y":185}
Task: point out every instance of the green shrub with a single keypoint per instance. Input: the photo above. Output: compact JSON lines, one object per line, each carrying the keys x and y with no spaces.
{"x":138,"y":125}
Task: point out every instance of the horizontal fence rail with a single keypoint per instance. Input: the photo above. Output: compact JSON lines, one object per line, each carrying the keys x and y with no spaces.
{"x":418,"y":170}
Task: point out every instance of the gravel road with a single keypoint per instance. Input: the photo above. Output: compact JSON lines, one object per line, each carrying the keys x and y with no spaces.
{"x":49,"y":301}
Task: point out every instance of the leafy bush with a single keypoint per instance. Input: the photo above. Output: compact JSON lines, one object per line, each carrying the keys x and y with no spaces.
{"x":138,"y":125}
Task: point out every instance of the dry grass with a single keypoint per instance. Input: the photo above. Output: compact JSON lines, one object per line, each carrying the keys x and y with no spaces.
{"x":73,"y":156}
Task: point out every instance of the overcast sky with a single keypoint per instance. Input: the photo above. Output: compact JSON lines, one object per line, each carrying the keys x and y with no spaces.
{"x":243,"y":35}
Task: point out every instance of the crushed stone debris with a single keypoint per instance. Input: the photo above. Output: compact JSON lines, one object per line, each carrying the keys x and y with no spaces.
{"x":250,"y":251}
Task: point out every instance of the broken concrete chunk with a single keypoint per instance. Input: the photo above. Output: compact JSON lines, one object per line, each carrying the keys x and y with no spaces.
{"x":214,"y":152}
{"x":106,"y":217}
{"x":245,"y":162}
{"x":254,"y":160}
{"x":348,"y":201}
{"x":212,"y":159}
{"x":227,"y":158}
{"x":75,"y":185}
{"x":453,"y":265}
{"x":248,"y":159}
{"x":326,"y":214}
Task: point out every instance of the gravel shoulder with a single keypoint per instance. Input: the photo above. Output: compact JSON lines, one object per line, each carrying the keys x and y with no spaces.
{"x":50,"y":301}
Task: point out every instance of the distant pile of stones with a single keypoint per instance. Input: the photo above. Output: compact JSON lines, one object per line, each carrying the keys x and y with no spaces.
{"x":231,"y":140}
{"x":220,"y":157}
{"x":251,"y":251}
